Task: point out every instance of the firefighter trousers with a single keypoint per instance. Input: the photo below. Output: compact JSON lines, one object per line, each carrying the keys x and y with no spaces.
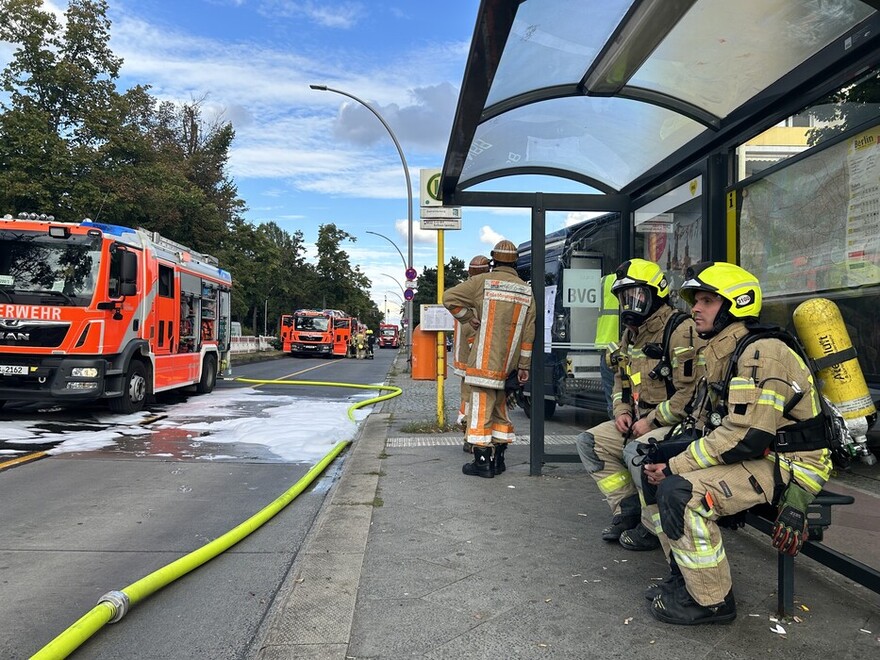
{"x":633,"y":461}
{"x":601,"y":450}
{"x":689,"y":505}
{"x":487,"y":417}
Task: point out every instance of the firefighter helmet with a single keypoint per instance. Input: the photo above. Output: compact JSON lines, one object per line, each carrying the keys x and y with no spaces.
{"x":641,"y":288}
{"x":738,"y":288}
{"x":504,"y":252}
{"x":479,"y":264}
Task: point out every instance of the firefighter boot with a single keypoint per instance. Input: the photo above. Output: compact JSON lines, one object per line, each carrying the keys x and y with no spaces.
{"x":639,"y":538}
{"x":629,"y":516}
{"x":498,"y":461}
{"x":671,"y":582}
{"x":677,"y":606}
{"x":482,"y":465}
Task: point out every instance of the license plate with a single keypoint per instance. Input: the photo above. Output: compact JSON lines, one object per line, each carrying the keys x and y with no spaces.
{"x":13,"y":370}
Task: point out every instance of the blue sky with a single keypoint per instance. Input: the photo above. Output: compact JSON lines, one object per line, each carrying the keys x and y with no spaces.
{"x":302,"y":158}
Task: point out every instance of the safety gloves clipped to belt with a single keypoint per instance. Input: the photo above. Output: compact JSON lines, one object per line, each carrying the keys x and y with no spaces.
{"x":790,"y":528}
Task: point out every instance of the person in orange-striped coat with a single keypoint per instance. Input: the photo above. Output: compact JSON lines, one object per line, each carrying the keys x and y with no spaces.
{"x":463,"y":340}
{"x":501,"y":309}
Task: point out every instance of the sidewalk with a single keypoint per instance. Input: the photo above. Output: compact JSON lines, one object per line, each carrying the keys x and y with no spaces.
{"x":410,"y":558}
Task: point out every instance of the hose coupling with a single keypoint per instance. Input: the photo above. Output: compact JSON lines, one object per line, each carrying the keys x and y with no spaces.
{"x":119,"y":601}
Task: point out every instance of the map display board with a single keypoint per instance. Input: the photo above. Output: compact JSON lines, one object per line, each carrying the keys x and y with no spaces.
{"x":815,"y":225}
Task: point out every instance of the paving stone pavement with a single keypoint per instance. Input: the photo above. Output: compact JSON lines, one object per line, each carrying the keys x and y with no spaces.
{"x":411,"y":558}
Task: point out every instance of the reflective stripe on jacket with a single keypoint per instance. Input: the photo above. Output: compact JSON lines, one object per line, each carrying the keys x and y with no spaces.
{"x":504,"y":305}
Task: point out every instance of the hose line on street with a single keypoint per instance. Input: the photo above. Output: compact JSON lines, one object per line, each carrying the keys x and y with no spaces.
{"x":393,"y":391}
{"x":115,"y":604}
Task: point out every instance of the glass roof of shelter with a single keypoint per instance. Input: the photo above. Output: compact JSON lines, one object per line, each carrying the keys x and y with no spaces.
{"x":608,"y":92}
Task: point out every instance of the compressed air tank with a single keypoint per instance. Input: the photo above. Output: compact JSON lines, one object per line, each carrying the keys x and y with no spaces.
{"x":822,"y":331}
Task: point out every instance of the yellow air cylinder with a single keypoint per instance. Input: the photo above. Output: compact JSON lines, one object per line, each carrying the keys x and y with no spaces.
{"x":822,"y":331}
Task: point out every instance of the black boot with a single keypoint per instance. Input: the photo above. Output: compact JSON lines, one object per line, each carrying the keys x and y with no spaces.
{"x":499,"y":458}
{"x":670,"y":583}
{"x":619,"y":524}
{"x":629,"y":516}
{"x":482,"y":465}
{"x":467,"y":447}
{"x":677,"y":606}
{"x":639,"y":538}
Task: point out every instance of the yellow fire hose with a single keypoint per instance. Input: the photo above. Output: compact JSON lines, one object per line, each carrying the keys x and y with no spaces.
{"x":115,"y":604}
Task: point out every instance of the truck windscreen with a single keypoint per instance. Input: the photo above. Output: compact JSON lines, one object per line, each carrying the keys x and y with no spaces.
{"x":51,"y":270}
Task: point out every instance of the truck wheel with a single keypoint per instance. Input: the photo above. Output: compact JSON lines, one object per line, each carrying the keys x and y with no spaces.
{"x":134,"y":390}
{"x":549,"y":407}
{"x":209,"y":376}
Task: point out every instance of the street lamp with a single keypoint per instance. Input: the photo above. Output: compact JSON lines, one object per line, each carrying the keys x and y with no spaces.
{"x":395,"y":279}
{"x":266,"y":312}
{"x":375,"y":233}
{"x":394,"y":293}
{"x":409,"y":219}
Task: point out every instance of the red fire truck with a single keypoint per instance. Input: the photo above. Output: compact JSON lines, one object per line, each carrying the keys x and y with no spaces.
{"x":307,"y":332}
{"x":93,"y":311}
{"x":389,"y":335}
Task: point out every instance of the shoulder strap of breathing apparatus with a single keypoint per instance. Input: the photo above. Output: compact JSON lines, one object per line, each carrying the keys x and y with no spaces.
{"x":802,"y":435}
{"x":664,"y":366}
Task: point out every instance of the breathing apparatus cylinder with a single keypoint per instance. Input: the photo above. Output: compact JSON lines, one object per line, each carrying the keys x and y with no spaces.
{"x":821,"y":329}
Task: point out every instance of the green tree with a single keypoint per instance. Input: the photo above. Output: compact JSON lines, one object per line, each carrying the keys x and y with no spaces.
{"x":426,"y":285}
{"x":845,"y":108}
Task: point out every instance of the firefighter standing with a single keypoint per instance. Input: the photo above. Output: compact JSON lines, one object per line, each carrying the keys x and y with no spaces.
{"x":464,"y":334}
{"x":371,"y":344}
{"x":360,"y":344}
{"x":500,"y":308}
{"x":733,"y":467}
{"x":607,"y":332}
{"x":646,"y":403}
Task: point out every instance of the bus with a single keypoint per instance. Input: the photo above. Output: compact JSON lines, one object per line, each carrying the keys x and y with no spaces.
{"x":575,"y":260}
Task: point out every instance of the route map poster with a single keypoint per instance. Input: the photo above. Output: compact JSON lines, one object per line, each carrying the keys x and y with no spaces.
{"x":813,"y":226}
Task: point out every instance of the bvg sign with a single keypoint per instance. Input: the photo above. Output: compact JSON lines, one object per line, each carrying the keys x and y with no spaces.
{"x":581,"y":288}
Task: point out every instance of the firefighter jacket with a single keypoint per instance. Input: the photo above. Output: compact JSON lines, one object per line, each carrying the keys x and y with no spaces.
{"x":769,"y":377}
{"x":504,"y":305}
{"x":608,"y":326}
{"x":461,"y":347}
{"x":633,"y":385}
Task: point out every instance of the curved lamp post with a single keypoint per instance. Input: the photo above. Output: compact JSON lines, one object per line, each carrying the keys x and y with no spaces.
{"x":409,"y":229}
{"x":395,"y":279}
{"x":375,"y":233}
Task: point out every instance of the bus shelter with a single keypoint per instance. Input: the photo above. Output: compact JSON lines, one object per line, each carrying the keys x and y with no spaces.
{"x":750,"y":130}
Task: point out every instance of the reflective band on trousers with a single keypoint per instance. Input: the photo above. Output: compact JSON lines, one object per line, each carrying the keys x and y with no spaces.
{"x":704,"y":554}
{"x":614,"y":482}
{"x":806,"y":474}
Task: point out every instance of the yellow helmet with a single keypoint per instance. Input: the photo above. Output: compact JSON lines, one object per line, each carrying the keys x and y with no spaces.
{"x":504,"y":252}
{"x":369,"y":332}
{"x":739,"y":289}
{"x":641,"y":288}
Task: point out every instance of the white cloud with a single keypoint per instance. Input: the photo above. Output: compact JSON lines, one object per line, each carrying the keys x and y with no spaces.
{"x":576,"y":217}
{"x":489,"y":236}
{"x":340,"y":15}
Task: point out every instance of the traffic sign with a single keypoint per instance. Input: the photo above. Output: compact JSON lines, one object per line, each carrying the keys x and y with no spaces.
{"x":429,"y":180}
{"x":409,"y":294}
{"x":411,"y":274}
{"x":411,"y":285}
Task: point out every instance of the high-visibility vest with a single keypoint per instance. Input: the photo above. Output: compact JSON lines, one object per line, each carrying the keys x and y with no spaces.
{"x":608,"y":327}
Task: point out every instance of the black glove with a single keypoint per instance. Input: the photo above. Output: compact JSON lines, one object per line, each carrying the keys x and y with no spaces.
{"x":790,"y":529}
